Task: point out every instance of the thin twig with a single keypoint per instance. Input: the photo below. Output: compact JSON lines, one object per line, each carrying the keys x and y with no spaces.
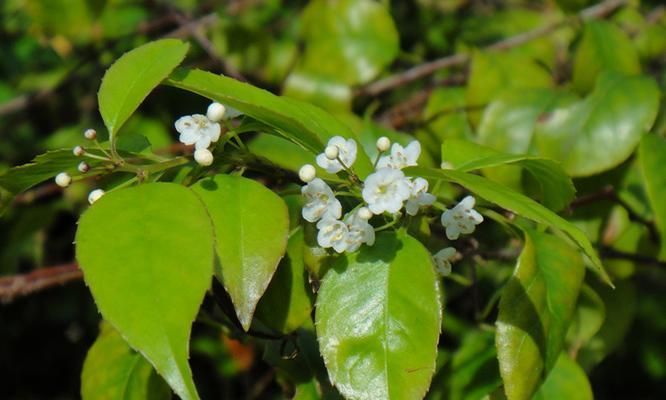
{"x":607,"y":252}
{"x":597,"y":11}
{"x":15,"y":286}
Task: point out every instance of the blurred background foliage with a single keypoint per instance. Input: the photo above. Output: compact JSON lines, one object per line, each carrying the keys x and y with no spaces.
{"x":582,"y":93}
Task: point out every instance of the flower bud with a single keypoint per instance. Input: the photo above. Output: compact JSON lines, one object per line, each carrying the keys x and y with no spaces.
{"x":78,"y":151}
{"x":307,"y":173}
{"x":90,"y":134}
{"x":383,"y":143}
{"x":216,"y":112}
{"x":332,"y":152}
{"x":63,"y":179}
{"x":203,"y":157}
{"x":83,"y":167}
{"x":95,"y":195}
{"x":364,"y":213}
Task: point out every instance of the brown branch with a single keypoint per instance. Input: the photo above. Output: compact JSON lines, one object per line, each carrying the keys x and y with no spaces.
{"x":15,"y":286}
{"x":420,"y":71}
{"x":607,"y":252}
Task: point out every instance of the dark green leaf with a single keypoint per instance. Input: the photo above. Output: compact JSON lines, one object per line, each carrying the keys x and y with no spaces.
{"x":133,"y":76}
{"x":251,"y":229}
{"x":148,"y":265}
{"x":378,"y":320}
{"x":535,"y":311}
{"x":652,"y":157}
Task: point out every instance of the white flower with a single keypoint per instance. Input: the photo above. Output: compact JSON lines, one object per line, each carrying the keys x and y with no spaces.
{"x":443,"y":260}
{"x":365,"y":213}
{"x":419,"y":196}
{"x":461,"y":219}
{"x":198,"y":130}
{"x":203,"y":157}
{"x":401,"y":157}
{"x":90,"y":134}
{"x":63,"y":179}
{"x":385,"y":190}
{"x":95,"y":195}
{"x":332,"y":233}
{"x":307,"y":173}
{"x":359,"y":231}
{"x":320,"y":202}
{"x":383,"y":144}
{"x":346,"y":153}
{"x":215,"y":112}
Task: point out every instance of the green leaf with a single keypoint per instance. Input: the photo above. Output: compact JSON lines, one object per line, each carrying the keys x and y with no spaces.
{"x":148,"y":265}
{"x":359,"y":35}
{"x":288,"y":300}
{"x":602,"y":130}
{"x":517,"y":203}
{"x":133,"y":76}
{"x":604,"y":48}
{"x":251,"y":229}
{"x":509,"y":121}
{"x":491,"y":74}
{"x":303,"y":123}
{"x":445,"y":114}
{"x":112,"y":370}
{"x":378,"y":320}
{"x":320,"y":90}
{"x":557,"y":189}
{"x":535,"y":311}
{"x":44,"y":166}
{"x":652,"y":158}
{"x":567,"y":380}
{"x":587,"y":320}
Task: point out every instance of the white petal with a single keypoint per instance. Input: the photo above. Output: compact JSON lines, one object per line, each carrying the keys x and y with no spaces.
{"x":468,"y":202}
{"x":452,"y":232}
{"x":412,"y":152}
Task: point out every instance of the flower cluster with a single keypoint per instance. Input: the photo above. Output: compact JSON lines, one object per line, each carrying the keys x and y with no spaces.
{"x":203,"y":130}
{"x":386,"y":191}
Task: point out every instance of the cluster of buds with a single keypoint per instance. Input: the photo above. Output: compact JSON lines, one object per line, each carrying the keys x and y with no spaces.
{"x":63,"y":179}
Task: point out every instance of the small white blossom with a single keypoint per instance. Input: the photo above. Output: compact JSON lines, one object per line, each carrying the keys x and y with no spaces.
{"x":419,"y":196}
{"x":461,"y":219}
{"x":215,"y":112}
{"x":443,"y":260}
{"x":332,"y":233}
{"x":83,"y":167}
{"x":346,"y":153}
{"x":320,"y":202}
{"x":203,"y":157}
{"x":307,"y":173}
{"x":359,"y":231}
{"x":63,"y":179}
{"x":401,"y":157}
{"x":198,"y":130}
{"x":78,"y":151}
{"x":383,"y":144}
{"x":90,"y":134}
{"x":385,"y":190}
{"x":95,"y":195}
{"x":365,"y":213}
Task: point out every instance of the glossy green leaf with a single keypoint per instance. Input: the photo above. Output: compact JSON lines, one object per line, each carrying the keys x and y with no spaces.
{"x":112,"y":370}
{"x":289,"y":299}
{"x":652,"y":157}
{"x":602,"y":130}
{"x":535,"y":311}
{"x":604,"y":48}
{"x":557,"y":189}
{"x":587,"y":319}
{"x":44,"y":166}
{"x":517,"y":203}
{"x":567,"y":380}
{"x":148,"y":264}
{"x":378,"y":320}
{"x":359,"y":35}
{"x":317,"y":89}
{"x":251,"y":229}
{"x":492,"y":73}
{"x":509,"y":121}
{"x":133,"y":76}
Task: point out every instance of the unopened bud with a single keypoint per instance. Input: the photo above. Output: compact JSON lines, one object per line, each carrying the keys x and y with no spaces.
{"x":307,"y":173}
{"x":332,"y":152}
{"x":203,"y":157}
{"x":383,"y":143}
{"x":95,"y":195}
{"x":364,"y":213}
{"x":78,"y":151}
{"x":63,"y":179}
{"x":83,"y":167}
{"x":90,"y":134}
{"x":216,"y":112}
